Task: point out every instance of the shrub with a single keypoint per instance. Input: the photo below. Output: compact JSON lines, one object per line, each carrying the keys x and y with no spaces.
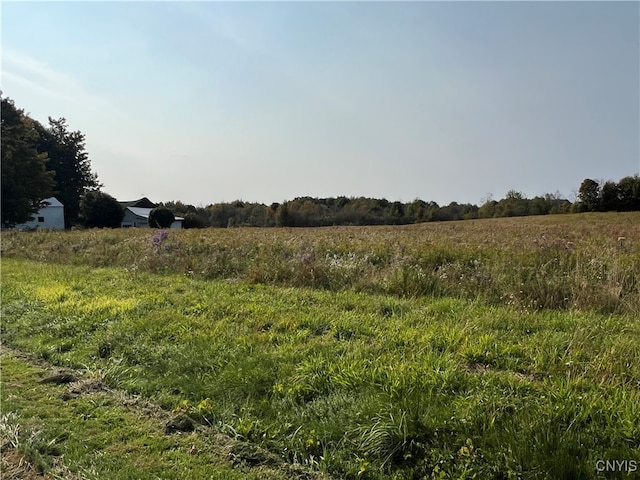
{"x":161,"y":217}
{"x":193,"y":220}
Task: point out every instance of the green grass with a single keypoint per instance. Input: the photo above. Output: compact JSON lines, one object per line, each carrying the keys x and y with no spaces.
{"x":98,"y":435}
{"x":568,"y":262}
{"x":352,"y":383}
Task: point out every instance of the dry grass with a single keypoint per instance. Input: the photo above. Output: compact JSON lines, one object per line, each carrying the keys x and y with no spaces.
{"x":352,"y":384}
{"x":584,"y":261}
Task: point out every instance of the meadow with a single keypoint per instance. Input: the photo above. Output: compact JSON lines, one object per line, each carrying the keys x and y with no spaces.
{"x":501,"y":348}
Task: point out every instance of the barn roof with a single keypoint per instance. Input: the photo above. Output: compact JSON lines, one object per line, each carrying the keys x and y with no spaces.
{"x":144,"y":212}
{"x":140,"y":212}
{"x":52,"y":202}
{"x":141,"y":203}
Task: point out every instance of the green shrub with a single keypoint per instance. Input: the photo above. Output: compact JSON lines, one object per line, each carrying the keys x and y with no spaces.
{"x":161,"y":217}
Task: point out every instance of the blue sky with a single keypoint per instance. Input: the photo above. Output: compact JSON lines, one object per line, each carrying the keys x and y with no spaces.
{"x":446,"y":101}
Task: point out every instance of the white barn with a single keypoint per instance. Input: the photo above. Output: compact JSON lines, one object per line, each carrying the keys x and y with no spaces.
{"x":139,"y":217}
{"x":49,"y":217}
{"x":136,"y":214}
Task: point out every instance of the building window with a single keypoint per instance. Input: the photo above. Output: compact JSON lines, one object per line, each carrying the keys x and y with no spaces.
{"x":40,"y":219}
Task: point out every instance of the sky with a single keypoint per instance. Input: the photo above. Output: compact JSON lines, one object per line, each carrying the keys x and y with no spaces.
{"x":209,"y":102}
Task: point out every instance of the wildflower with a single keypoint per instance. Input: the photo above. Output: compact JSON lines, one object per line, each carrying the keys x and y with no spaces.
{"x":159,"y":237}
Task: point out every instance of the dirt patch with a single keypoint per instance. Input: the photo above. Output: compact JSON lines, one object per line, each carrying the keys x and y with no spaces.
{"x":180,"y":423}
{"x":83,"y":386}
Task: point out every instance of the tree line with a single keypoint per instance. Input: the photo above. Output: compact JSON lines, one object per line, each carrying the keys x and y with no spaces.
{"x":313,"y":212}
{"x":42,"y":161}
{"x":622,"y":196}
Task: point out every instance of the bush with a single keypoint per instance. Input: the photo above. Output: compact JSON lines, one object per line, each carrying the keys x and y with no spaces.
{"x":161,"y":217}
{"x":193,"y":220}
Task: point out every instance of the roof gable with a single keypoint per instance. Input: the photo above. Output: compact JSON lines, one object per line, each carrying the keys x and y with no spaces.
{"x":141,"y":203}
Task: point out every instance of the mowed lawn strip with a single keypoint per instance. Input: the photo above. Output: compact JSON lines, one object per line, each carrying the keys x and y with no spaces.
{"x":353,"y":384}
{"x":99,"y":434}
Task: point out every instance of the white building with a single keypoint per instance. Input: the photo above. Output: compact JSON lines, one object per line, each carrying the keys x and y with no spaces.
{"x":49,"y":217}
{"x":136,"y":214}
{"x":139,"y":217}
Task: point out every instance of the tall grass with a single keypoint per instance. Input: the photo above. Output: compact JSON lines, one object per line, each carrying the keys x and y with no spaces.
{"x":579,"y":262}
{"x":354,"y":384}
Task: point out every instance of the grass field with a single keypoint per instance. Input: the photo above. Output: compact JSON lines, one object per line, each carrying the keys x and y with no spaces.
{"x":479,"y":349}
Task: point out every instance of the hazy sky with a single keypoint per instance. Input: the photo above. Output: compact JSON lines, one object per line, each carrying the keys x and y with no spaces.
{"x":447,"y":101}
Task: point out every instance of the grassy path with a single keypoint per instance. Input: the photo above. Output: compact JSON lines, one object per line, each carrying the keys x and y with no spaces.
{"x":56,"y":428}
{"x":352,"y":384}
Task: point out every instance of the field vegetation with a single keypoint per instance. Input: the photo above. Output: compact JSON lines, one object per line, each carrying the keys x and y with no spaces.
{"x":500,"y":348}
{"x":585,"y":262}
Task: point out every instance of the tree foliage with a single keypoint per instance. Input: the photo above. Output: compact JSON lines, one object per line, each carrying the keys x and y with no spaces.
{"x":25,"y":180}
{"x":161,"y":217}
{"x":70,"y":162}
{"x":30,"y":149}
{"x":282,"y":216}
{"x":589,"y":196}
{"x":312,"y":212}
{"x":629,"y":191}
{"x":609,"y":199}
{"x":98,"y":209}
{"x":623,"y":196}
{"x":193,"y":220}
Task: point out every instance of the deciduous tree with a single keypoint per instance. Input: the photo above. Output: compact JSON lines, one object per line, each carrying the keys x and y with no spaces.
{"x":98,"y":209}
{"x":589,"y":195}
{"x":629,"y":189}
{"x":282,"y":216}
{"x":70,"y":162}
{"x":610,"y":197}
{"x":25,"y":180}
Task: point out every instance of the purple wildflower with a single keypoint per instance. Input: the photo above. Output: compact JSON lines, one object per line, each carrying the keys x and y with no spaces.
{"x":159,"y":237}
